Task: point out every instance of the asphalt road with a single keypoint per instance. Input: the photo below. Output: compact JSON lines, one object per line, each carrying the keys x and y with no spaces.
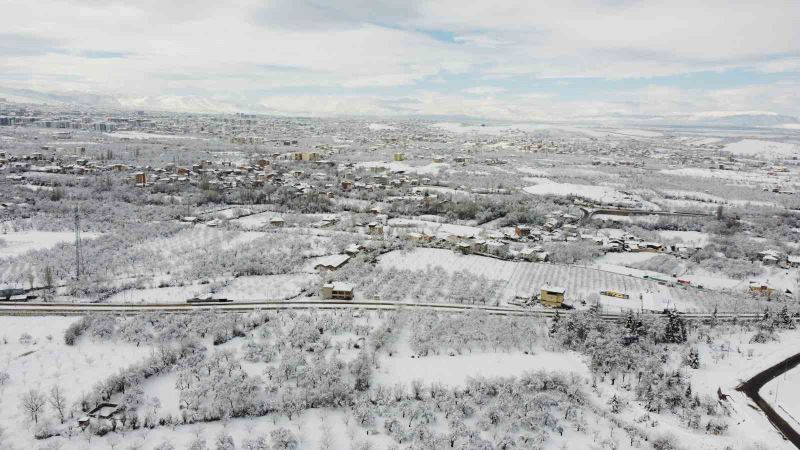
{"x":752,"y":387}
{"x":45,"y":309}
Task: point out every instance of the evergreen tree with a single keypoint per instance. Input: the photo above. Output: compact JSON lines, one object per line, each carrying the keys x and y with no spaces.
{"x":554,"y":323}
{"x":675,"y":329}
{"x":615,"y":404}
{"x":784,"y":319}
{"x":693,"y":359}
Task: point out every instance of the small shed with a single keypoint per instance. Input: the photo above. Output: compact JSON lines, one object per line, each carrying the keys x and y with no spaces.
{"x":552,"y":296}
{"x":331,"y":262}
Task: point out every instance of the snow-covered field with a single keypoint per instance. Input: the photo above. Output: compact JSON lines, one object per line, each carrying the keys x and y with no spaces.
{"x":695,"y":238}
{"x":433,"y":228}
{"x":272,"y":287}
{"x":170,"y":294}
{"x":455,"y":370}
{"x":623,"y":258}
{"x":597,"y":193}
{"x":256,"y":221}
{"x":765,"y":149}
{"x":380,"y":127}
{"x":19,"y":242}
{"x":525,"y":278}
{"x":394,"y":166}
{"x":737,"y":176}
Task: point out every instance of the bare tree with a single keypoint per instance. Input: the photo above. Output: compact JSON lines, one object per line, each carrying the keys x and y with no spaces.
{"x":326,"y":439}
{"x":33,"y":403}
{"x":31,"y":278}
{"x":58,"y":401}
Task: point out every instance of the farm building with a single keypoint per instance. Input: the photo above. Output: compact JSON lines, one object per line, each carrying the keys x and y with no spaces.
{"x":337,"y":291}
{"x":761,"y":288}
{"x":276,"y":222}
{"x":464,"y":247}
{"x":527,"y":254}
{"x":399,"y":156}
{"x":479,"y":245}
{"x":414,"y":236}
{"x":522,"y":230}
{"x":374,"y":228}
{"x":552,"y":296}
{"x":331,"y":262}
{"x":104,"y":413}
{"x":497,"y":248}
{"x":352,"y":249}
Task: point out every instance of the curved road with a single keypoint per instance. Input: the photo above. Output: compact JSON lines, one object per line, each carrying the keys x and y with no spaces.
{"x":588,"y":214}
{"x":752,"y":387}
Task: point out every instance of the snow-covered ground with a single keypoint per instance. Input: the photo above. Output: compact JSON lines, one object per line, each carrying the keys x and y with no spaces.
{"x":257,"y":221}
{"x":170,"y":294}
{"x":766,"y":149}
{"x":728,"y":362}
{"x":783,"y":393}
{"x":139,"y":135}
{"x":46,"y":361}
{"x":623,"y":258}
{"x":695,"y":238}
{"x":19,"y":242}
{"x":433,"y":228}
{"x":737,"y":176}
{"x":597,"y":193}
{"x":394,"y":166}
{"x":380,"y":127}
{"x":455,"y":370}
{"x":637,"y":133}
{"x":534,"y":172}
{"x":525,"y":278}
{"x":272,"y":287}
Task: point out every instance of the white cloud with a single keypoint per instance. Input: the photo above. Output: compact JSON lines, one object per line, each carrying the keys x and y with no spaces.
{"x":484,"y":90}
{"x":345,"y":49}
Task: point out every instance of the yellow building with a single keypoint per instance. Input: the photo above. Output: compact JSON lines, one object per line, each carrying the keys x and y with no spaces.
{"x":399,"y":156}
{"x":337,"y":291}
{"x":552,"y":296}
{"x":304,"y":156}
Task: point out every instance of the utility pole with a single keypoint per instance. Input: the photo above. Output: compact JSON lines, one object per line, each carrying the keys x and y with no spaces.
{"x":77,"y":244}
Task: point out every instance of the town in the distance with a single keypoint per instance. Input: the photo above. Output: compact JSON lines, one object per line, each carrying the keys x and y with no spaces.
{"x":245,"y":281}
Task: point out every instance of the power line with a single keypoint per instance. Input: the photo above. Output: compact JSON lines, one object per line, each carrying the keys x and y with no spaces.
{"x":77,"y":243}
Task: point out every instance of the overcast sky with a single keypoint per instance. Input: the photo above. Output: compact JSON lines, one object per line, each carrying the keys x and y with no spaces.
{"x":497,"y":59}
